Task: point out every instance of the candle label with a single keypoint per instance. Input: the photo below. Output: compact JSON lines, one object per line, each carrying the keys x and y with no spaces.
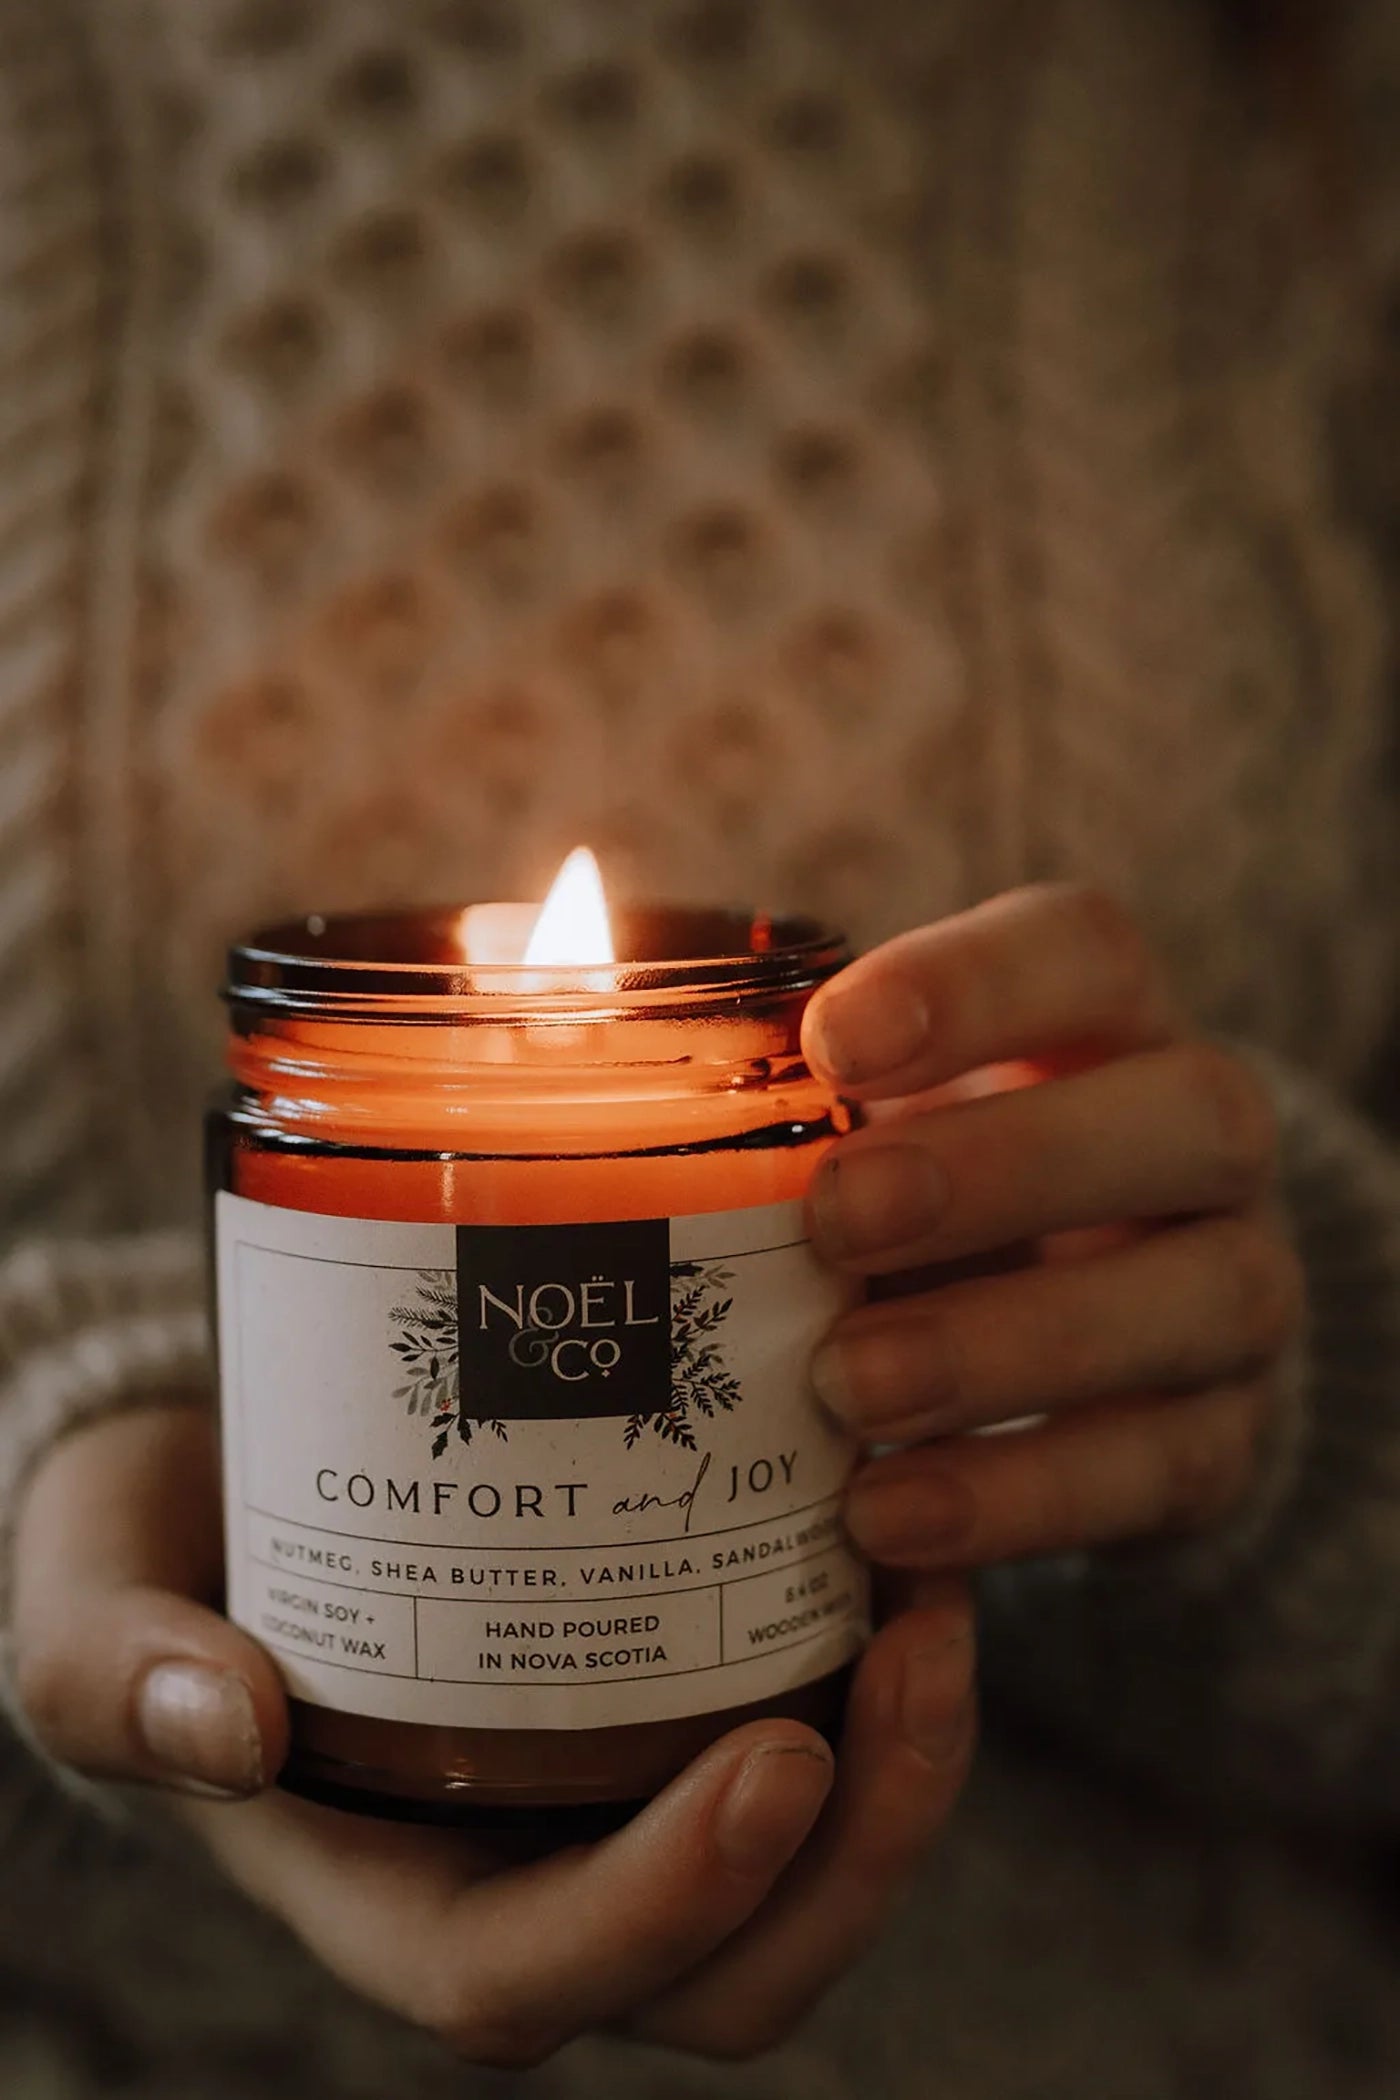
{"x":532,"y":1476}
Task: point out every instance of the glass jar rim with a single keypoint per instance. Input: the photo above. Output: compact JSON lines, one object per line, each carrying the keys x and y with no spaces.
{"x":370,"y":964}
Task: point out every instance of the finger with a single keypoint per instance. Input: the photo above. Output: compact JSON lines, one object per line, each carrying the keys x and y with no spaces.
{"x":580,"y":1940}
{"x":121,"y":1667}
{"x":511,"y":1967}
{"x":1196,"y":1306}
{"x":1168,"y":1133}
{"x":1101,"y":1474}
{"x":1040,"y":971}
{"x":904,"y":1754}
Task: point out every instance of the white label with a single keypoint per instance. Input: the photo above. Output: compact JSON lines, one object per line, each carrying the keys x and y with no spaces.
{"x":532,"y":1476}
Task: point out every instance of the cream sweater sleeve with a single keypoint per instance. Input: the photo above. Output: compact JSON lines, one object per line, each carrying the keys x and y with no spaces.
{"x":87,"y":1327}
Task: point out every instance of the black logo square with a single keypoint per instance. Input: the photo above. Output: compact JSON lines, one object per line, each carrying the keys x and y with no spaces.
{"x":564,"y":1320}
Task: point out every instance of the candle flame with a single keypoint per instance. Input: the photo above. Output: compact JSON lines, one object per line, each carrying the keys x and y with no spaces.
{"x":573,"y":923}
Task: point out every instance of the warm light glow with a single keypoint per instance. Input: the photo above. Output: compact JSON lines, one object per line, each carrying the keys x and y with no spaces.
{"x":573,"y":923}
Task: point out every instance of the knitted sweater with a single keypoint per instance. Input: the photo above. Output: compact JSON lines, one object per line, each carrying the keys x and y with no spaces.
{"x":856,"y":459}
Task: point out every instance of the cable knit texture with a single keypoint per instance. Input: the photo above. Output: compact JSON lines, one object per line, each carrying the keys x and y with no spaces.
{"x":86,"y":1327}
{"x":853,"y":458}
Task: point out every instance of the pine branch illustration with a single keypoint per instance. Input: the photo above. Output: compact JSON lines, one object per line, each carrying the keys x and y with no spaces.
{"x":426,"y":1348}
{"x":686,"y":1307}
{"x":672,"y":1427}
{"x":700,"y":1381}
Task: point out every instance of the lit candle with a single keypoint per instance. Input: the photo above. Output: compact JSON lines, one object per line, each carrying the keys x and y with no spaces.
{"x":524,"y":1485}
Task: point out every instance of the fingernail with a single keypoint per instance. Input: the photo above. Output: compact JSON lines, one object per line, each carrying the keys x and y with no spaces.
{"x":875,"y":1197}
{"x":198,"y":1723}
{"x":861,"y":1035}
{"x":832,"y":1386}
{"x":919,"y":1523}
{"x":886,"y":1382}
{"x":935,"y":1696}
{"x":770,"y":1805}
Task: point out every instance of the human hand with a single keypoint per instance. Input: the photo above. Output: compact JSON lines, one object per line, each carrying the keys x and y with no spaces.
{"x":709,"y":1922}
{"x":1147,"y":1337}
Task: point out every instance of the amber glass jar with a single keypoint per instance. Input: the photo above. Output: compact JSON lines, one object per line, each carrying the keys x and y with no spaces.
{"x":524,"y":1486}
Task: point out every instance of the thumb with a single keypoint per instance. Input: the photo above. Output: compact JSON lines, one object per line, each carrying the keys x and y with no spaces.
{"x":123,"y":1666}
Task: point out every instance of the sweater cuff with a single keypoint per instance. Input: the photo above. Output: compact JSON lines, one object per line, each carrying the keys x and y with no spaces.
{"x":88,"y":1328}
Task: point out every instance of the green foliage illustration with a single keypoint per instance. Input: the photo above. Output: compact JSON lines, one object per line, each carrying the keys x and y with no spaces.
{"x":701,"y":1385}
{"x":427,"y":1348}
